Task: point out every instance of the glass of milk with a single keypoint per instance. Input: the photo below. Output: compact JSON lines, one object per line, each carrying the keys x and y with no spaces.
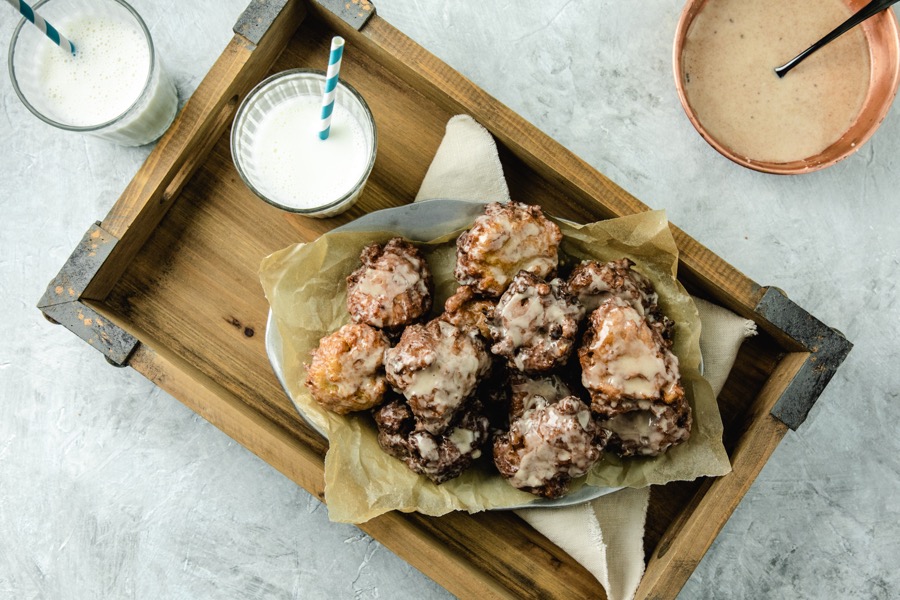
{"x":277,"y":151}
{"x":114,"y":87}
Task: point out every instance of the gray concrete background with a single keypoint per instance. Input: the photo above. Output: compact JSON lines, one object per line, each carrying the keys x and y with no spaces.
{"x":111,"y":489}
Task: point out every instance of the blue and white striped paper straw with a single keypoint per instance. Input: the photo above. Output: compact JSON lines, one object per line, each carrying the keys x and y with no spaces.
{"x":49,"y":30}
{"x":331,"y":81}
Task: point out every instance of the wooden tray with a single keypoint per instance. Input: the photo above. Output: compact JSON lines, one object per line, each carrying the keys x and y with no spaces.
{"x":167,"y":284}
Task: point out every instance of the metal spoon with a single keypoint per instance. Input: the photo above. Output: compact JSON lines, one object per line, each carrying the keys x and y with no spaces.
{"x":870,"y":9}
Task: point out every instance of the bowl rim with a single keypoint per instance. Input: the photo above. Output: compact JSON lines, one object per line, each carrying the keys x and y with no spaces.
{"x":885,"y":21}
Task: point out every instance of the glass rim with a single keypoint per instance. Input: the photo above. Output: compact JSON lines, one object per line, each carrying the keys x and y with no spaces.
{"x":81,"y":128}
{"x":241,"y":115}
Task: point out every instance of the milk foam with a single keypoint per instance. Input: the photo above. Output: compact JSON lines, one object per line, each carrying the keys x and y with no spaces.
{"x":298,"y":170}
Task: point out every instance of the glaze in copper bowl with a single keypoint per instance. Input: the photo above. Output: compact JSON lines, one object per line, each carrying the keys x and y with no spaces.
{"x":883,"y":38}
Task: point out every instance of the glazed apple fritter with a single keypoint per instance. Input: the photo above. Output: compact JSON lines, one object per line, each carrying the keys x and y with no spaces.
{"x":535,"y":324}
{"x":593,"y":283}
{"x":525,"y":391}
{"x":346,"y":372}
{"x":650,"y":431}
{"x":469,"y":312}
{"x":506,"y":239}
{"x":436,"y":367}
{"x":625,"y":363}
{"x":548,"y":446}
{"x":438,"y":457}
{"x":392,"y":288}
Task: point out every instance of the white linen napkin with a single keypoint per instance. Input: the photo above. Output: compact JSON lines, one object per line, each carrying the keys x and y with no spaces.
{"x":466,"y":166}
{"x":605,"y":535}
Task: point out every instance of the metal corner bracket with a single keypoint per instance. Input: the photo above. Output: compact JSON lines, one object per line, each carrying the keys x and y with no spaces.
{"x":259,"y":15}
{"x":62,"y":304}
{"x":827,"y":347}
{"x":256,"y":19}
{"x":353,"y":12}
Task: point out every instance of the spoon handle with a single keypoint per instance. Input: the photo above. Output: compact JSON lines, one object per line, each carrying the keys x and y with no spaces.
{"x":870,"y":9}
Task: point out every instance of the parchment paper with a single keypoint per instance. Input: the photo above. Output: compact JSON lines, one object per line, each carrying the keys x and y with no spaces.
{"x":306,"y":288}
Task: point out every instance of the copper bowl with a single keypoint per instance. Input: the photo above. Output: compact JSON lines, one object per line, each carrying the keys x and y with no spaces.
{"x":883,"y":39}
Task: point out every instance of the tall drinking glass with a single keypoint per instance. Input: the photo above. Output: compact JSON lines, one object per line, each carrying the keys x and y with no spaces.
{"x":114,"y":87}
